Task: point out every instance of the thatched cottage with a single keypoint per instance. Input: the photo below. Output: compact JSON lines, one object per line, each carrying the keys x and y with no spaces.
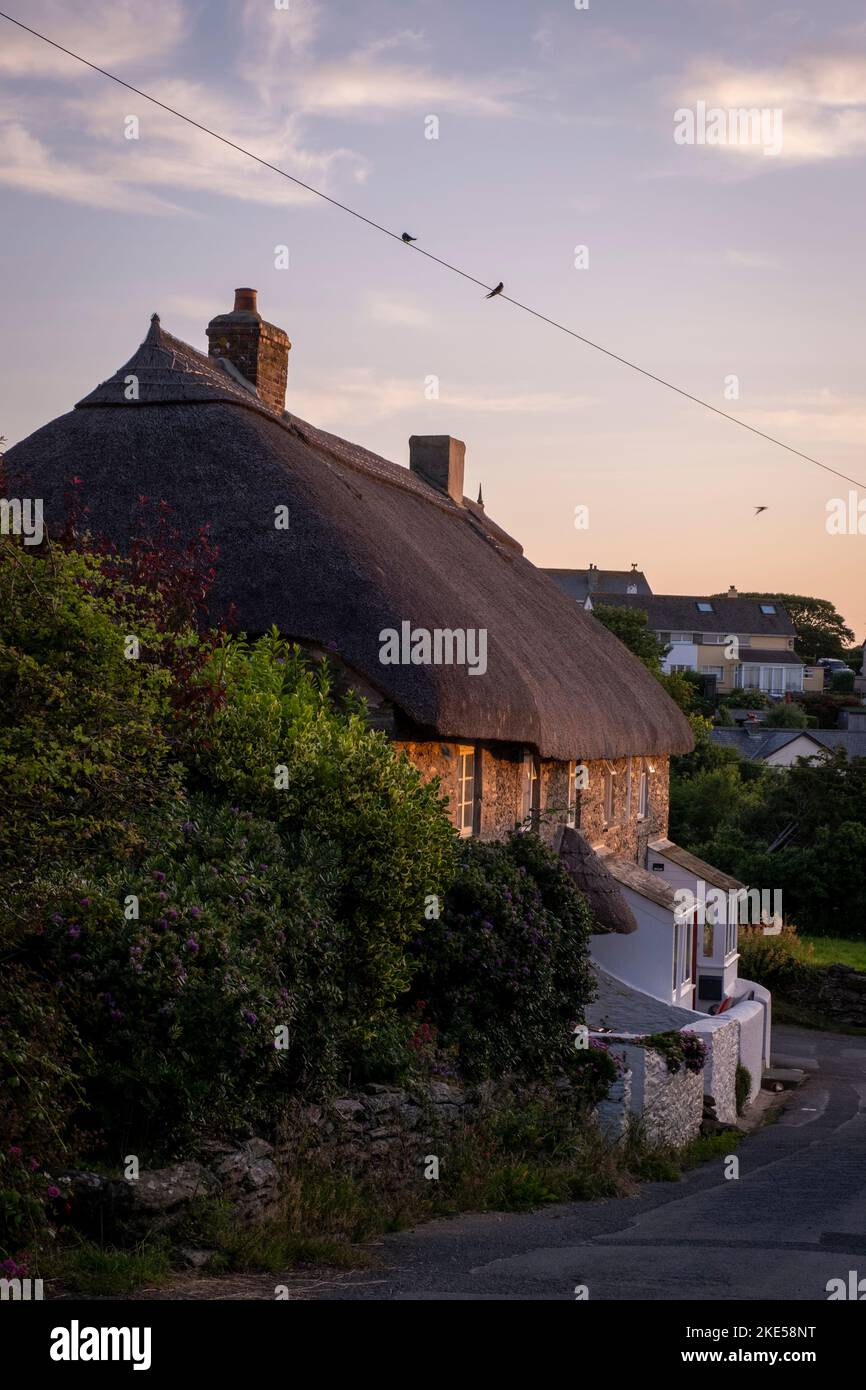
{"x":337,"y":547}
{"x":473,"y":660}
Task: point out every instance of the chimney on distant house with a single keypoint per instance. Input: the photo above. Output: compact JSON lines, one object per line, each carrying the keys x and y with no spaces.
{"x":258,"y":350}
{"x":592,"y":578}
{"x":438,"y":459}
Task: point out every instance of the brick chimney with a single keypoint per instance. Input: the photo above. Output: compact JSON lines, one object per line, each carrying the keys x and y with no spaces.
{"x":732,"y":592}
{"x":438,"y":459}
{"x":259,"y":350}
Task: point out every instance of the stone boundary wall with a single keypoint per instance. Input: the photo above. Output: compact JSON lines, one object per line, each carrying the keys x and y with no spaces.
{"x":387,"y":1132}
{"x":837,"y":992}
{"x":722,"y":1037}
{"x":669,"y":1104}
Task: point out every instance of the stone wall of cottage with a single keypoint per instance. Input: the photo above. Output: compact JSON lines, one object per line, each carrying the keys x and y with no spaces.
{"x":501,"y":779}
{"x":501,"y":794}
{"x":626,"y":834}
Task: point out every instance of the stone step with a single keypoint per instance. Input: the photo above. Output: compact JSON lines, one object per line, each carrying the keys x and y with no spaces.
{"x":782,"y":1078}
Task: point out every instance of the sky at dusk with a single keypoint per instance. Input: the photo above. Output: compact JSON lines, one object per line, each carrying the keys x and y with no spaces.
{"x":555,"y":130}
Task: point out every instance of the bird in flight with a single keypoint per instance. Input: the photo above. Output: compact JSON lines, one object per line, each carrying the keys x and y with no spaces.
{"x":758,"y":510}
{"x":407,"y":238}
{"x":499,"y":288}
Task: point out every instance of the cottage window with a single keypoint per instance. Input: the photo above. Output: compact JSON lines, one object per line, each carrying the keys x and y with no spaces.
{"x":731,"y":934}
{"x":705,"y":608}
{"x":571,"y":809}
{"x":686,"y":930}
{"x":531,"y":791}
{"x":643,"y":796}
{"x":682,"y":637}
{"x":609,"y":775}
{"x":677,"y":670}
{"x":768,"y":608}
{"x":717,"y":671}
{"x":466,"y":791}
{"x":682,"y":962}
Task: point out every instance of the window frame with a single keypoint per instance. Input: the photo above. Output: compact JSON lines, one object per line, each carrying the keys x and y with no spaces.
{"x":530,"y":805}
{"x":643,"y":794}
{"x":571,"y":797}
{"x":464,"y":752}
{"x":608,"y":799}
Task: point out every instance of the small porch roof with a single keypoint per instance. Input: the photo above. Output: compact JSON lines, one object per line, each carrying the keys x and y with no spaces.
{"x":693,"y":865}
{"x":639,"y":880}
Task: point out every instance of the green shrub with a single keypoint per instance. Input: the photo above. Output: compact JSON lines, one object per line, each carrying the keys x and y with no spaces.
{"x":679,"y":1049}
{"x":237,"y":983}
{"x":84,"y":737}
{"x":504,"y":971}
{"x":769,"y":960}
{"x":593,"y":1072}
{"x":786,"y":716}
{"x":842,"y":682}
{"x":39,"y":1093}
{"x":746,"y":699}
{"x":341,"y":785}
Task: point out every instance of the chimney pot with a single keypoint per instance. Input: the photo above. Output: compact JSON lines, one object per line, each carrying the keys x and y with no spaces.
{"x":245,"y":301}
{"x":439,"y":460}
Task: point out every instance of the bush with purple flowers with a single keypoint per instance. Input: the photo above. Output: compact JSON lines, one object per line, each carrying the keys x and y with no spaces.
{"x":505,"y":969}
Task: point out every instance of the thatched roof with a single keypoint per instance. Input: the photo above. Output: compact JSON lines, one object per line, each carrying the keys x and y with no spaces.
{"x":583,"y":866}
{"x":369,"y":545}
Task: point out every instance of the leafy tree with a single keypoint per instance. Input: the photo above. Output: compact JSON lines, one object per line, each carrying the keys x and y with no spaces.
{"x":733,"y":814}
{"x":631,"y":626}
{"x":824,"y":706}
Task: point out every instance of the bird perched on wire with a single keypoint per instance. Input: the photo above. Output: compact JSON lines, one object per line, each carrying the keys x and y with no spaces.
{"x":758,"y":510}
{"x":499,"y":288}
{"x":407,"y":238}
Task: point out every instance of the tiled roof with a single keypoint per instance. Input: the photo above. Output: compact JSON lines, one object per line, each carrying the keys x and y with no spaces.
{"x":761,"y":745}
{"x":680,"y":613}
{"x":598,"y":583}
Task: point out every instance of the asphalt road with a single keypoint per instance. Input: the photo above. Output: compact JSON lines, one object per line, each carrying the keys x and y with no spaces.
{"x":795,"y":1217}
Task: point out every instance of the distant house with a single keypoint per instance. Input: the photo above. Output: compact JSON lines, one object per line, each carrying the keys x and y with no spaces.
{"x":782,"y":747}
{"x":593,"y":583}
{"x":744,"y":643}
{"x":488,"y":674}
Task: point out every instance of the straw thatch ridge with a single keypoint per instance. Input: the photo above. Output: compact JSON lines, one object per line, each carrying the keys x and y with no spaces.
{"x":587,"y":872}
{"x":369,"y":545}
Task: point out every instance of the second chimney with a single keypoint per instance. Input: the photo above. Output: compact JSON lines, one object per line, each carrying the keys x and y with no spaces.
{"x":438,"y":459}
{"x":259,"y":350}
